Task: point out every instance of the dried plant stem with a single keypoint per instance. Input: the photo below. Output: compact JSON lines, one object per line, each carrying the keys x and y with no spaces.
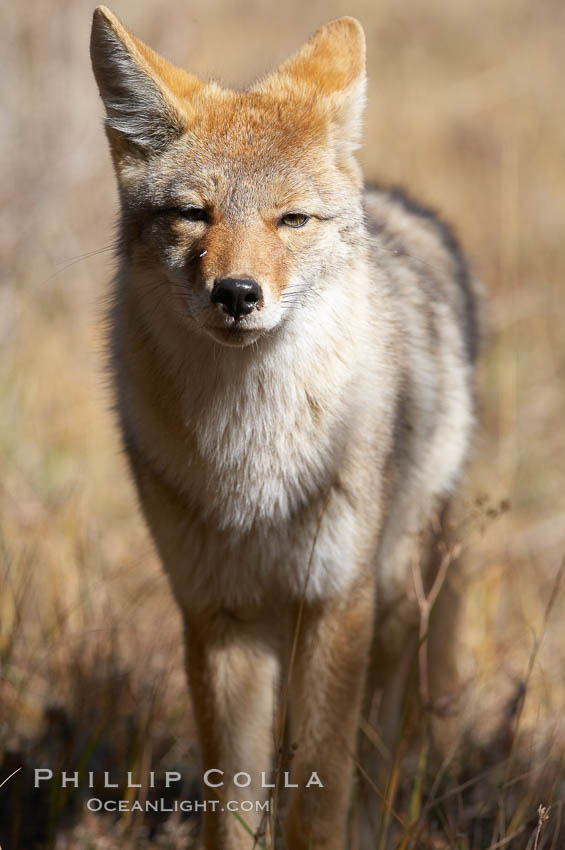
{"x":425,"y":607}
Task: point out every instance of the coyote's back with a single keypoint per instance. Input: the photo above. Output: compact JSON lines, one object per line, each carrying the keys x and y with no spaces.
{"x":294,"y":363}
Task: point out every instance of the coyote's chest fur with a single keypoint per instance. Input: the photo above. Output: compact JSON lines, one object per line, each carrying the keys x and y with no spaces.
{"x":247,"y":478}
{"x":252,"y":443}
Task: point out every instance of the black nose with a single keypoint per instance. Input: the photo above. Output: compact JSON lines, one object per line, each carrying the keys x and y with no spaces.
{"x":239,"y":295}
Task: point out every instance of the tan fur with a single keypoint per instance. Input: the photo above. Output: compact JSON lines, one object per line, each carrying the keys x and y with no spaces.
{"x":287,"y":461}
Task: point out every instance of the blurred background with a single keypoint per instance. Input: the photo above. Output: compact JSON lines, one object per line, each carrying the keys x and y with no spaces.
{"x":466,"y":110}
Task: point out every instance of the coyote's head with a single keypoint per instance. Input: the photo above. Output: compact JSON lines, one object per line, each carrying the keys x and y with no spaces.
{"x":236,"y":206}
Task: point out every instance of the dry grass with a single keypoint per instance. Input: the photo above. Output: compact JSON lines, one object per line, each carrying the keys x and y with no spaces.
{"x":465,"y":109}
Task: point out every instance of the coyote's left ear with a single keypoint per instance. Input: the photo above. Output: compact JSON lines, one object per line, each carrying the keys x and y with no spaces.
{"x":330,"y":67}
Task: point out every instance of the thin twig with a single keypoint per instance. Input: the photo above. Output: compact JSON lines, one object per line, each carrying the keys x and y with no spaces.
{"x":532,"y":660}
{"x":543,"y":817}
{"x":294,"y":648}
{"x":425,"y":606}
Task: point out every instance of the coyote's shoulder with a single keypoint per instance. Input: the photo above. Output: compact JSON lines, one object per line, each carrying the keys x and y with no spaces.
{"x":416,"y":234}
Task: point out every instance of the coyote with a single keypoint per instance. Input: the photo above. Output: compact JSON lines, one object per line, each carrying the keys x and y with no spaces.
{"x":293,"y":358}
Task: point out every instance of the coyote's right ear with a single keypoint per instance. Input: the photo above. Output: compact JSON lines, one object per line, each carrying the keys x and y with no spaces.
{"x":146,"y":97}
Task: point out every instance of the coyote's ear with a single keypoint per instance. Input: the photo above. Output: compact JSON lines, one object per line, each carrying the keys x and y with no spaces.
{"x":142,"y":92}
{"x":331,"y":67}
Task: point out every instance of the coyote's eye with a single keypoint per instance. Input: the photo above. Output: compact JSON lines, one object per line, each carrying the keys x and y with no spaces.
{"x":193,"y":213}
{"x":295,"y":219}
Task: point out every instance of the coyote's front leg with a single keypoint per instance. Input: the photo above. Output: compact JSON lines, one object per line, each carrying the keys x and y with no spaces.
{"x":233,"y":672}
{"x":327,"y":682}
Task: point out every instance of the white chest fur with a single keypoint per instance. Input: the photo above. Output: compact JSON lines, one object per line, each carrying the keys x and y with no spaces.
{"x":258,"y":438}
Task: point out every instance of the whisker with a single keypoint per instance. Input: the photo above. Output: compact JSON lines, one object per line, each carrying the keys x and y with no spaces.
{"x":74,"y":260}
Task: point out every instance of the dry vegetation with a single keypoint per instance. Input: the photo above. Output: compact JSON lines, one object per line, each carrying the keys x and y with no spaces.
{"x":465,"y":109}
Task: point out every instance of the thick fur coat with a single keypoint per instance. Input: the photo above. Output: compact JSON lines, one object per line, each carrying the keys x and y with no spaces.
{"x":287,"y":458}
